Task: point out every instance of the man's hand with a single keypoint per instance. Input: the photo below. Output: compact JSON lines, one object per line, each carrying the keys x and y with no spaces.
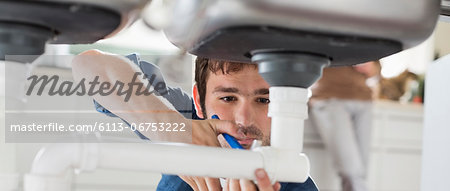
{"x":247,"y":185}
{"x":213,"y":184}
{"x":264,"y":182}
{"x":202,"y":183}
{"x":369,"y":69}
{"x":206,"y":132}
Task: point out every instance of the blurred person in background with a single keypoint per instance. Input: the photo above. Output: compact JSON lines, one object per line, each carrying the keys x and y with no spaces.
{"x":341,"y":110}
{"x":403,"y":87}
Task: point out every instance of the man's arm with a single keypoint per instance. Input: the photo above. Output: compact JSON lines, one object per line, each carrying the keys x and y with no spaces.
{"x":143,"y":109}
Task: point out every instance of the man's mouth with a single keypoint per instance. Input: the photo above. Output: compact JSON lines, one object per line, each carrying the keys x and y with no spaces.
{"x":246,"y":142}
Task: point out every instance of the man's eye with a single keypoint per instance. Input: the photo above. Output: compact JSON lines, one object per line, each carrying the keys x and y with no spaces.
{"x":228,"y":98}
{"x":263,"y":100}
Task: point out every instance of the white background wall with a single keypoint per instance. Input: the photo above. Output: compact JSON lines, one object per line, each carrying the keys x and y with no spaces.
{"x":442,"y":38}
{"x":436,"y":159}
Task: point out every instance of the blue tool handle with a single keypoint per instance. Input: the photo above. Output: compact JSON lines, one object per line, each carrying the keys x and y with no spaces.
{"x":230,"y":139}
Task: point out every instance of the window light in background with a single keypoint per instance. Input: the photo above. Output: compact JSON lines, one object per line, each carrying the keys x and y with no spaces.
{"x":414,"y":59}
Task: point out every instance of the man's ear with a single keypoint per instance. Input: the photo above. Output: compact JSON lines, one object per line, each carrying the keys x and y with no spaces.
{"x":196,"y":95}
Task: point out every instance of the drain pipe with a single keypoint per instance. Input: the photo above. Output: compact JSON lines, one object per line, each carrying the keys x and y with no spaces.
{"x":288,"y":110}
{"x":289,"y":74}
{"x":53,"y":167}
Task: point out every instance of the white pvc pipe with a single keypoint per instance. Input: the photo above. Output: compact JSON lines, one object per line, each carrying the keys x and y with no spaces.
{"x":185,"y":160}
{"x":288,"y":110}
{"x":52,"y":167}
{"x":287,"y":134}
{"x":285,"y":165}
{"x":46,"y":161}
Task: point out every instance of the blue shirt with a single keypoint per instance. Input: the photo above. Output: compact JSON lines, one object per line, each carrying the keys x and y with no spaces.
{"x":183,"y":103}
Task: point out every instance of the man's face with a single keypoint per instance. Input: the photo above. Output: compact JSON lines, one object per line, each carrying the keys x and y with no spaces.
{"x":242,"y":97}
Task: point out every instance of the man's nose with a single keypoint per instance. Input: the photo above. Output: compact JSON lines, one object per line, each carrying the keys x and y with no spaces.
{"x":244,"y":114}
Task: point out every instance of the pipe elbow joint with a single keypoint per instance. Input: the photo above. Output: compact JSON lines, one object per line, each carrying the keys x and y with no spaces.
{"x":52,"y":166}
{"x":285,"y":165}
